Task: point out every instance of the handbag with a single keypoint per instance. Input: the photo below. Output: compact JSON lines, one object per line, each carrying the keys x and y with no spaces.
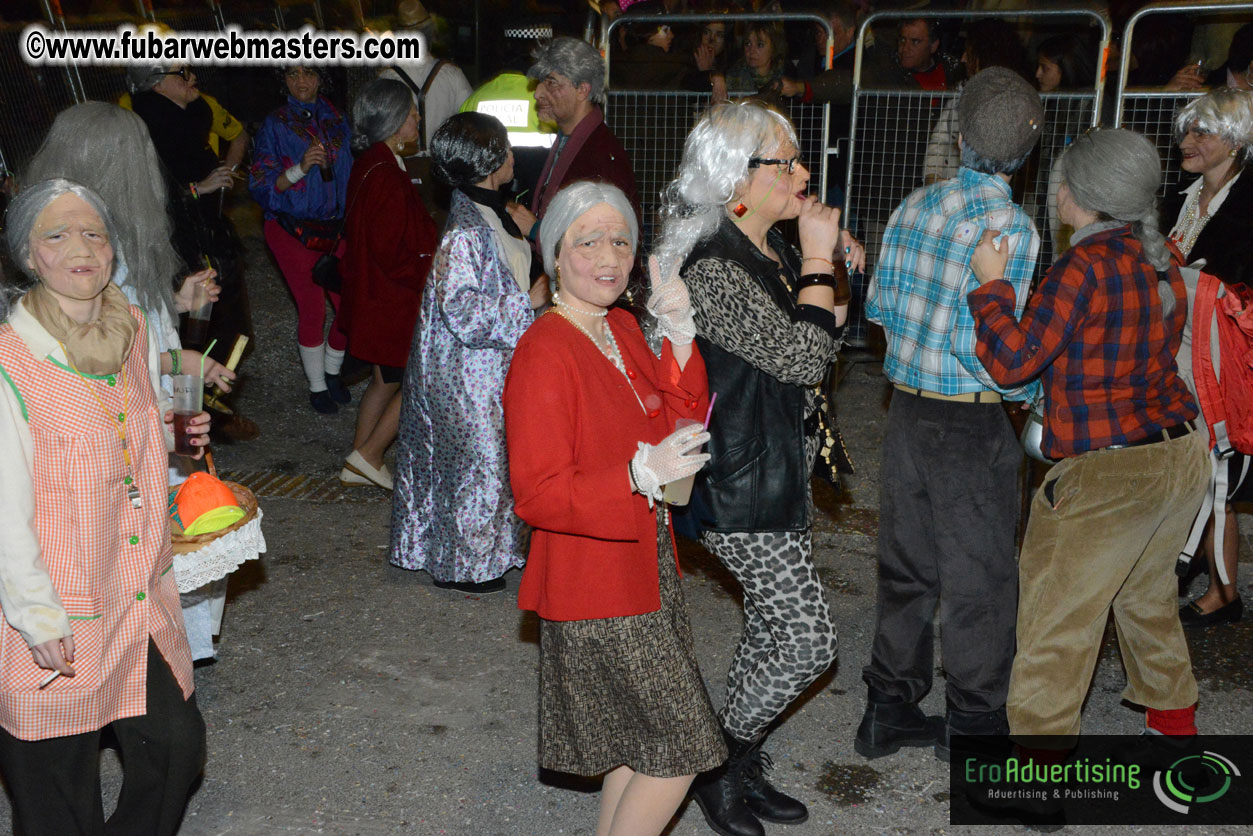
{"x":326,"y":273}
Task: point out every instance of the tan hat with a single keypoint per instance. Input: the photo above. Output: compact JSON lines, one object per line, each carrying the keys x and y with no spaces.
{"x":412,"y":13}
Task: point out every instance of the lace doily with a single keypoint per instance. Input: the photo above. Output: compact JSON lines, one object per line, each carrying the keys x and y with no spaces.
{"x":220,"y":557}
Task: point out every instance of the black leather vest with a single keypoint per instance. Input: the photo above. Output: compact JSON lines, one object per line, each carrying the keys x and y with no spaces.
{"x":757,"y":476}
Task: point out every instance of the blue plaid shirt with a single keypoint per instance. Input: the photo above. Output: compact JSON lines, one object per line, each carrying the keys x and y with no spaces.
{"x":918,"y":293}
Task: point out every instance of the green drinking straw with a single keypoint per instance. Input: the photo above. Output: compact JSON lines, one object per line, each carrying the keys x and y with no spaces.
{"x":205,"y":354}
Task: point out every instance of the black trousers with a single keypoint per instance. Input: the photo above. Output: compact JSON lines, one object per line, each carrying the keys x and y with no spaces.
{"x":54,"y":784}
{"x":948,"y":507}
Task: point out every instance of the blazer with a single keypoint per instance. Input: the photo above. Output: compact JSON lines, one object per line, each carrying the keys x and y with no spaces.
{"x":1226,"y":242}
{"x":591,"y":152}
{"x":572,"y":425}
{"x":390,"y":242}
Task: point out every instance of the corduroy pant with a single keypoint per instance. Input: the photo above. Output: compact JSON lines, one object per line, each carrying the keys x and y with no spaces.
{"x":1106,"y":528}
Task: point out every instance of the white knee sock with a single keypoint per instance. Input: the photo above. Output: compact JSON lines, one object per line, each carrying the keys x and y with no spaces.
{"x":312,"y":358}
{"x":334,"y":359}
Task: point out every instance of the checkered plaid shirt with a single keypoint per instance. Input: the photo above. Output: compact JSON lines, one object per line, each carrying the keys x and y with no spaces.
{"x":918,"y":293}
{"x":1094,"y":331}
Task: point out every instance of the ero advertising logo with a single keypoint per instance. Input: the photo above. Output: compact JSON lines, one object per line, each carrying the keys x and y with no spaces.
{"x":1103,"y":780}
{"x":1195,"y":779}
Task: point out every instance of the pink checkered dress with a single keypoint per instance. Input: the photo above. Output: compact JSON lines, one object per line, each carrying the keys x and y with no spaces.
{"x":110,"y":562}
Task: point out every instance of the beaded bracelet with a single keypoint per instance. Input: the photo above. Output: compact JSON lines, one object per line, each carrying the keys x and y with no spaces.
{"x":194,"y":192}
{"x":176,"y":361}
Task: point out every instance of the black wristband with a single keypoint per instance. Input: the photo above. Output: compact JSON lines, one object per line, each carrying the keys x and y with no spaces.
{"x":816,"y":280}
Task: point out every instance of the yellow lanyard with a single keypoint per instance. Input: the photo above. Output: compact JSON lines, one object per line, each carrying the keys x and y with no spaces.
{"x":119,"y":427}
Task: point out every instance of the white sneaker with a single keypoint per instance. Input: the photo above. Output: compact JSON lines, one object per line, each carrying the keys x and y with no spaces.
{"x":357,"y":471}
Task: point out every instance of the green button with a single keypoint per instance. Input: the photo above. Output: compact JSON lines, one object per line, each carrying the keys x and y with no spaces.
{"x":139,"y":596}
{"x":121,"y":416}
{"x":112,"y":380}
{"x":128,"y":480}
{"x":134,"y":540}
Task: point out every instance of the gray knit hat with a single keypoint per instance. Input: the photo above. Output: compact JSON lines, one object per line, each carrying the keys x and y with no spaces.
{"x":1000,"y":115}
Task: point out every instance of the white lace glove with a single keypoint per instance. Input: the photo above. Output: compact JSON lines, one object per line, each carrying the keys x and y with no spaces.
{"x":671,"y":305}
{"x":655,"y":465}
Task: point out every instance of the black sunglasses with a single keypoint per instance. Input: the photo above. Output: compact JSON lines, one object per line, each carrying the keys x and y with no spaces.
{"x":185,"y":73}
{"x":754,"y":162}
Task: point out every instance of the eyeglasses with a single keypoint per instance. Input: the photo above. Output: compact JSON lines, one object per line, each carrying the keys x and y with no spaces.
{"x":184,"y":73}
{"x":791,"y":164}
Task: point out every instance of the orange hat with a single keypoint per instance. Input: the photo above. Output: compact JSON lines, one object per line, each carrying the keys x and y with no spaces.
{"x":206,"y":504}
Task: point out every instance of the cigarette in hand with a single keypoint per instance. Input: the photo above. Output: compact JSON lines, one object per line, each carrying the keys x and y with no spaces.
{"x":47,"y":680}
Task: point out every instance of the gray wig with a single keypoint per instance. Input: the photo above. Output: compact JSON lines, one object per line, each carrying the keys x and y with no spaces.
{"x":576,"y":60}
{"x":713,"y":170}
{"x":1227,"y":113}
{"x":143,"y":77}
{"x":569,"y":205}
{"x":381,"y":108}
{"x":20,"y":220}
{"x":121,"y":165}
{"x":1116,"y":173}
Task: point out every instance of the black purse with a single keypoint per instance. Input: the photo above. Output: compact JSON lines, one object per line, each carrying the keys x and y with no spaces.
{"x":326,"y":273}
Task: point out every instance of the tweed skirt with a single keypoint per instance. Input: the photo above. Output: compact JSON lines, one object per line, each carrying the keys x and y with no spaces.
{"x":627,"y":691}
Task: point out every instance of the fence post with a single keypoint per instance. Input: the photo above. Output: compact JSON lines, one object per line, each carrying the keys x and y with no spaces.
{"x":145,"y":10}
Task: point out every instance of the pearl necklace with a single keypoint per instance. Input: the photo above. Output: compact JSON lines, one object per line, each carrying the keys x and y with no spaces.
{"x":610,"y":350}
{"x":557,"y":301}
{"x":1192,"y":225}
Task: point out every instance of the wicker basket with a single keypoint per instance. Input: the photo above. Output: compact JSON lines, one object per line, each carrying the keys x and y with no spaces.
{"x":184,"y":544}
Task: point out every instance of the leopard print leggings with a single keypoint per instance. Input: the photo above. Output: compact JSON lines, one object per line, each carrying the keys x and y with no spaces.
{"x":789,"y":638}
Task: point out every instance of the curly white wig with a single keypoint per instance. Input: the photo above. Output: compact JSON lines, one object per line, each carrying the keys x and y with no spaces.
{"x":713,"y":170}
{"x":1227,"y":113}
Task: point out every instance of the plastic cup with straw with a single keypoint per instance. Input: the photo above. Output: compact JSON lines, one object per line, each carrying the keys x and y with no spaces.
{"x":188,"y":403}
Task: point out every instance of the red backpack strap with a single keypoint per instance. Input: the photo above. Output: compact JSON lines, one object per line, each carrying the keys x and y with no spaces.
{"x":1204,"y":377}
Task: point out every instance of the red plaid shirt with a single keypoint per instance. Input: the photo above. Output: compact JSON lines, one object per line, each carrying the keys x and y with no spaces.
{"x":1095,"y":333}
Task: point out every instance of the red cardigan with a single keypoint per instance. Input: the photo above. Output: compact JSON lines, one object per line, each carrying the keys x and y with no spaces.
{"x":391,"y":241}
{"x":572,"y":425}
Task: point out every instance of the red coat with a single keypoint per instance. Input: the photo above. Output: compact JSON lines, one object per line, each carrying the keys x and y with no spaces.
{"x":572,"y":426}
{"x":390,"y":242}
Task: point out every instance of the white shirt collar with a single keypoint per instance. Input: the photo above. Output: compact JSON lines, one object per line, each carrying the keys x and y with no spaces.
{"x":38,"y":341}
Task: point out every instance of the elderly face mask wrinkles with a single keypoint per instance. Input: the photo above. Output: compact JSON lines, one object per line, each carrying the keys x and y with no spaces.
{"x":596,"y":257}
{"x":70,"y":250}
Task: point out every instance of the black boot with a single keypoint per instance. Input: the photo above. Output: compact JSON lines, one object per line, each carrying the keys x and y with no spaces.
{"x":890,"y":723}
{"x":765,"y":801}
{"x":986,"y":734}
{"x":720,"y":793}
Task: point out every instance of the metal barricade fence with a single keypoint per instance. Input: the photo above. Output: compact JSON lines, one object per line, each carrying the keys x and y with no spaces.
{"x":1151,"y":111}
{"x":653,"y":124}
{"x":900,"y":136}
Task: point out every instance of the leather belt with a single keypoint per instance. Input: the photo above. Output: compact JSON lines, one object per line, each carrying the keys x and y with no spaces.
{"x":986,"y":396}
{"x":1167,"y":434}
